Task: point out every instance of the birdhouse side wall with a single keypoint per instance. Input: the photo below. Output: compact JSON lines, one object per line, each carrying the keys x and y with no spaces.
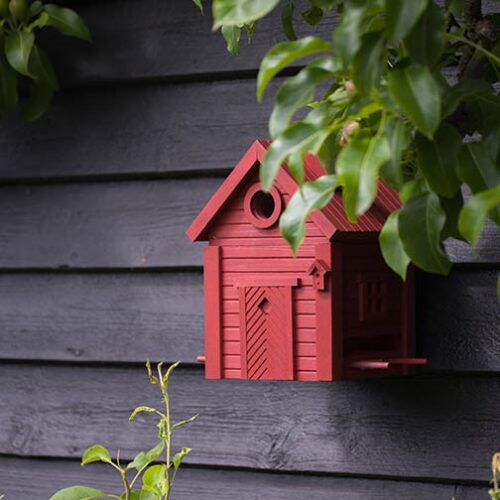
{"x":376,"y":309}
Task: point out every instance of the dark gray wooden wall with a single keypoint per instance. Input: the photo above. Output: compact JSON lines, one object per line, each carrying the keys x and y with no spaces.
{"x":96,"y":275}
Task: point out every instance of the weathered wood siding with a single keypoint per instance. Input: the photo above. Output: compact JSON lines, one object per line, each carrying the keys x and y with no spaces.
{"x":97,"y":275}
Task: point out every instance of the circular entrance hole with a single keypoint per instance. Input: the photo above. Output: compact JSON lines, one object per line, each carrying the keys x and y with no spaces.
{"x":263,"y":209}
{"x":262,"y":205}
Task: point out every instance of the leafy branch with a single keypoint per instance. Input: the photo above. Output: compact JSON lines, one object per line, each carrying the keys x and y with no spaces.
{"x":157,"y":478}
{"x":21,"y":57}
{"x":387,"y":112}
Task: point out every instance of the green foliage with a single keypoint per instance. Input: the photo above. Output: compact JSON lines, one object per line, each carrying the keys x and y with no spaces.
{"x":79,"y":493}
{"x":375,"y":104}
{"x":158,"y":479}
{"x":21,"y":57}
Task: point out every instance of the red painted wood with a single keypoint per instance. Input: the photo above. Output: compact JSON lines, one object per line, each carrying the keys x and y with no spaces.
{"x":213,"y":327}
{"x":329,"y":220}
{"x":324,"y":316}
{"x":337,"y":298}
{"x":266,"y":332}
{"x":334,"y":311}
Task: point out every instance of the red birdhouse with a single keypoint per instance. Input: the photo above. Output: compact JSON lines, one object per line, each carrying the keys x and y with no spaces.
{"x":334,"y":311}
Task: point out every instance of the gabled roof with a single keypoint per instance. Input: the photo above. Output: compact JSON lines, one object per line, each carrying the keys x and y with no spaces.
{"x":330,"y":220}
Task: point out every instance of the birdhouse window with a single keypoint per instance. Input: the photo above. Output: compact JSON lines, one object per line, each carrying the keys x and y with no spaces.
{"x":372,"y":297}
{"x":263,"y":209}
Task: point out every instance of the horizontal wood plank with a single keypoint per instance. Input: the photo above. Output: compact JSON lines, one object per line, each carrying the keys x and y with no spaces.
{"x":102,"y":317}
{"x":124,"y":225}
{"x":458,"y":319}
{"x":439,"y":426}
{"x":139,"y":130}
{"x":46,"y":476}
{"x":157,"y":39}
{"x":129,"y":317}
{"x":117,"y":225}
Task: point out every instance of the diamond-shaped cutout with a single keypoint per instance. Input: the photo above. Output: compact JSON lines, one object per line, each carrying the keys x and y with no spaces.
{"x":264,"y":305}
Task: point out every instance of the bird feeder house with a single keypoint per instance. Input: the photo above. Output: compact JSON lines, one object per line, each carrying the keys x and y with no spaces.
{"x":334,"y":311}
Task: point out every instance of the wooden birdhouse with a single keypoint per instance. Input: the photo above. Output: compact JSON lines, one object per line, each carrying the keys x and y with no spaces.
{"x":334,"y":311}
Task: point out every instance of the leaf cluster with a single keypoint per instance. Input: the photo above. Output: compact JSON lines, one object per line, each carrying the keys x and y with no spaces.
{"x":21,"y":56}
{"x":374,"y":104}
{"x":157,"y":478}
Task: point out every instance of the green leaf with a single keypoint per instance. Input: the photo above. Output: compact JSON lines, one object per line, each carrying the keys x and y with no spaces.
{"x":452,"y":208}
{"x":296,"y":141}
{"x":473,"y":215}
{"x":41,"y":68}
{"x":478,"y":170}
{"x":358,"y":166}
{"x":179,"y":457}
{"x":461,"y":92}
{"x":437,"y":159}
{"x":287,"y":20}
{"x":421,"y":222}
{"x":38,"y":102}
{"x":79,"y":493}
{"x":324,"y":4}
{"x":142,"y":459}
{"x":311,"y":196}
{"x":143,"y":409}
{"x":8,"y":87}
{"x":368,"y":62}
{"x":96,"y":453}
{"x":171,"y":368}
{"x":199,"y":5}
{"x":152,"y":378}
{"x":35,"y":8}
{"x":284,"y":54}
{"x":298,"y":91}
{"x":402,"y":15}
{"x":67,"y":22}
{"x":313,"y":15}
{"x":185,"y":422}
{"x":398,"y":139}
{"x":18,"y":47}
{"x":232,"y":36}
{"x":347,"y":36}
{"x":426,"y":40}
{"x":238,"y":12}
{"x":154,"y":477}
{"x":392,"y":246}
{"x":412,"y":188}
{"x":416,"y":92}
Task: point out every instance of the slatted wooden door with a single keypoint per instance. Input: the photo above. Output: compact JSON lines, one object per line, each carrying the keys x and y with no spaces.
{"x":266,"y":323}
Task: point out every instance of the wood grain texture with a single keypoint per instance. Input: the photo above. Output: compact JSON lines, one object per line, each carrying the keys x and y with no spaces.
{"x":125,"y":224}
{"x":132,"y":316}
{"x":439,"y":426}
{"x":114,"y":225}
{"x":157,"y":39}
{"x":138,"y":130}
{"x":459,"y":319}
{"x":212,"y":484}
{"x":102,"y":317}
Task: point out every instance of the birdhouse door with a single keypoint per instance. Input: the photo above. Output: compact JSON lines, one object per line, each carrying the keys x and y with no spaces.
{"x":266,"y":325}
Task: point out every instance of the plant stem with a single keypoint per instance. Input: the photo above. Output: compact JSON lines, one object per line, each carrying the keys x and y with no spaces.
{"x":487,"y":53}
{"x":168,"y":437}
{"x":125,"y":484}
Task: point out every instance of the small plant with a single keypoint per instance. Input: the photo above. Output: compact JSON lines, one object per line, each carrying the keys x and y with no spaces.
{"x":21,"y":56}
{"x":157,"y":480}
{"x":495,"y":469}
